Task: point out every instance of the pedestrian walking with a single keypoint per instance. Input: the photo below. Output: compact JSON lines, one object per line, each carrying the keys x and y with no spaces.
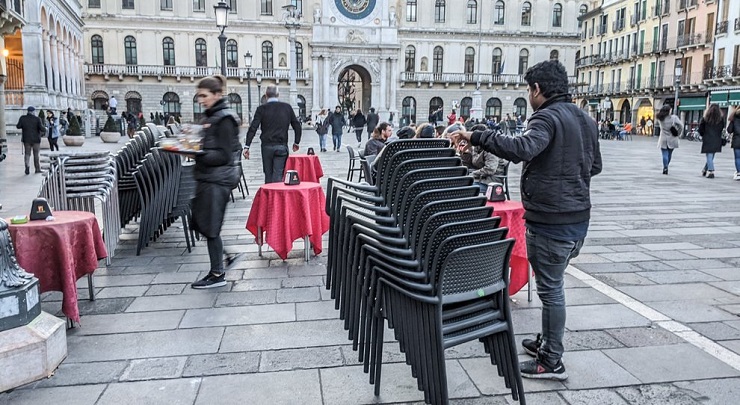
{"x":52,"y":130}
{"x":273,"y":117}
{"x":32,"y":128}
{"x":560,"y":151}
{"x":358,"y":122}
{"x":216,"y":173}
{"x":322,"y":128}
{"x":132,"y":125}
{"x":337,"y":122}
{"x":452,"y":118}
{"x":711,"y":126}
{"x":112,"y":104}
{"x":63,"y":123}
{"x":671,"y":129}
{"x":372,"y":122}
{"x":733,"y":128}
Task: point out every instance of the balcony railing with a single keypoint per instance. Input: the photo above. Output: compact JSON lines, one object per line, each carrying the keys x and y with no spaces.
{"x":737,"y":24}
{"x":722,"y":28}
{"x":689,"y":40}
{"x":462,"y":78}
{"x":722,"y":72}
{"x":189,"y":71}
{"x":618,"y":25}
{"x":602,"y":29}
{"x":684,"y":4}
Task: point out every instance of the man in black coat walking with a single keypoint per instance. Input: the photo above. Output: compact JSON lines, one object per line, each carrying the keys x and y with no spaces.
{"x":31,"y":129}
{"x":273,"y":118}
{"x":337,"y":122}
{"x":372,"y":122}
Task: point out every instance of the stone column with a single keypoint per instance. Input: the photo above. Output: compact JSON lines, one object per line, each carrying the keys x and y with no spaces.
{"x":34,"y":89}
{"x":327,"y":84}
{"x":47,"y":60}
{"x":54,"y":63}
{"x":394,"y":86}
{"x":62,"y":69}
{"x":2,"y":105}
{"x":316,"y":79}
{"x":383,"y":107}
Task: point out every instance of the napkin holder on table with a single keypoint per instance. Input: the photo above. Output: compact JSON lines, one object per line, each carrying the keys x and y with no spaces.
{"x":40,"y":209}
{"x":291,"y":178}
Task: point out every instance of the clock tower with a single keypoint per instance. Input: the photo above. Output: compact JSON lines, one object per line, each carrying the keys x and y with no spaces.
{"x":354,"y":54}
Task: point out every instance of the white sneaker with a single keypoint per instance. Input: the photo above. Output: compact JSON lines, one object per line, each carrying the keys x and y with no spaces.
{"x":736,"y":176}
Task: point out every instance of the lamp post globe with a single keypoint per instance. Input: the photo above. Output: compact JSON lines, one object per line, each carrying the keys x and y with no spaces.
{"x":292,"y":20}
{"x":222,"y":21}
{"x":258,"y":76}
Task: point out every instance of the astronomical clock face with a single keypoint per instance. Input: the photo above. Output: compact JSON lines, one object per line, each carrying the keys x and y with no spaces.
{"x":355,"y":9}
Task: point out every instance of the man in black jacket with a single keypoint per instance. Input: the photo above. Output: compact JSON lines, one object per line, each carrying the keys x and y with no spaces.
{"x":560,"y":151}
{"x":31,"y":129}
{"x":372,"y":122}
{"x":337,"y":122}
{"x":273,"y":118}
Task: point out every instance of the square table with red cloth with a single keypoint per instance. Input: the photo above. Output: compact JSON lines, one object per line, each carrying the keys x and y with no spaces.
{"x":60,"y":252}
{"x":512,"y":217}
{"x":308,"y":167}
{"x":286,"y":213}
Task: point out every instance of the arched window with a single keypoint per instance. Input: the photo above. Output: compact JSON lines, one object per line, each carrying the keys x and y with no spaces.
{"x":168,"y":52}
{"x":129,"y":47}
{"x":523,"y":61}
{"x":298,"y":56}
{"x":235,"y":103}
{"x":493,"y":108}
{"x":465,"y":104}
{"x":267,"y":59}
{"x":197,"y":109}
{"x":96,"y":42}
{"x":232,"y":53}
{"x":439,"y":11}
{"x":472,"y":12}
{"x":527,"y":13}
{"x":301,"y":108}
{"x":171,"y":103}
{"x":435,"y":104}
{"x":498,"y":13}
{"x":408,"y":111}
{"x":581,"y":12}
{"x":201,"y":52}
{"x":100,"y":99}
{"x":133,"y":102}
{"x":437,"y":62}
{"x":410,"y":59}
{"x":469,"y":60}
{"x":410,"y":10}
{"x":557,"y":15}
{"x":496,"y":66}
{"x":554,"y":54}
{"x":520,"y":107}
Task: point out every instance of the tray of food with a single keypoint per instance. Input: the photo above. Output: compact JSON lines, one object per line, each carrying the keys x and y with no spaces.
{"x":183,"y":146}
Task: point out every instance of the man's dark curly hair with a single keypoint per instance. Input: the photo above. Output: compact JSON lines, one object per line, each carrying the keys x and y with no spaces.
{"x":551,"y":77}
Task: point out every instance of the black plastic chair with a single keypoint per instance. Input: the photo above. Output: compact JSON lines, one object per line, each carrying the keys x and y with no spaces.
{"x":354,"y":164}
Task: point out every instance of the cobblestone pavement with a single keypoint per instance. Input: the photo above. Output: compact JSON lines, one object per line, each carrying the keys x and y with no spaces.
{"x":653,"y":308}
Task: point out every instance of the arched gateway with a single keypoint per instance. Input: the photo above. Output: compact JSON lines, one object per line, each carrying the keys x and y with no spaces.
{"x":354,"y":89}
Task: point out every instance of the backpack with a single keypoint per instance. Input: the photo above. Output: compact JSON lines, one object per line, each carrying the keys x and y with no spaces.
{"x":323,"y":127}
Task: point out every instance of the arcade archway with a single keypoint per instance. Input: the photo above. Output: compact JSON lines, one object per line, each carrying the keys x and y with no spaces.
{"x":354,"y":89}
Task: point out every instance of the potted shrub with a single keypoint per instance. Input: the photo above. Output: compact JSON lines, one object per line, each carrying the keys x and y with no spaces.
{"x":74,"y":136}
{"x":45,"y":135}
{"x":111,"y":133}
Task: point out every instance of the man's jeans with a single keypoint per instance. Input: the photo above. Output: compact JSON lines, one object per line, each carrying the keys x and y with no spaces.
{"x":274,"y":157}
{"x":549,"y":258}
{"x":337,"y":140}
{"x":27,"y":148}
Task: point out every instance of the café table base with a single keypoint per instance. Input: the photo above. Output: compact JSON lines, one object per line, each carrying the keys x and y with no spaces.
{"x":306,"y":244}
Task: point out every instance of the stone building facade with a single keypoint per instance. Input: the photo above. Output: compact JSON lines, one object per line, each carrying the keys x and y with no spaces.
{"x":403,"y":57}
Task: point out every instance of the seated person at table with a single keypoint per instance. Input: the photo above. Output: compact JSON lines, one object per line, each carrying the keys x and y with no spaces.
{"x":485,"y":168}
{"x":380,"y":135}
{"x":627,"y":129}
{"x":424,"y":131}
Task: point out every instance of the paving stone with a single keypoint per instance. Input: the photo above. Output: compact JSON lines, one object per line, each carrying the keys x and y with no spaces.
{"x":544,"y":398}
{"x":229,"y":316}
{"x":307,"y":270}
{"x":286,"y":387}
{"x":485,"y":400}
{"x":486,"y":379}
{"x":588,"y":248}
{"x":234,"y":299}
{"x":589,"y":258}
{"x":591,"y":317}
{"x":621,"y":279}
{"x":311,"y":281}
{"x":465,"y":350}
{"x":296,"y":359}
{"x":572,"y":282}
{"x":678,"y":276}
{"x":527,"y":321}
{"x":127,"y":322}
{"x":143,"y":345}
{"x":662,"y":364}
{"x":118,"y":281}
{"x":84,"y":374}
{"x":221,"y":364}
{"x":582,"y":373}
{"x":712,"y":392}
{"x":298,"y":294}
{"x":670,"y":246}
{"x":656,"y":395}
{"x":608,"y":267}
{"x":78,"y":395}
{"x":268,"y":272}
{"x":252,"y":264}
{"x":306,"y":311}
{"x":391,"y":354}
{"x":585,"y":296}
{"x":283,"y":336}
{"x":671,"y":255}
{"x":171,"y":392}
{"x":170,"y":302}
{"x":175,"y":278}
{"x":119,"y":292}
{"x":728,"y":274}
{"x":696,"y":264}
{"x":120,"y":260}
{"x":588,"y":340}
{"x":646,"y":232}
{"x":673,"y":292}
{"x":154,"y":369}
{"x":654,"y":266}
{"x":692,"y":311}
{"x":591,"y":397}
{"x":166,"y":289}
{"x":257,"y":284}
{"x":715,"y":253}
{"x":716,"y":330}
{"x":627,"y":248}
{"x":104,"y":306}
{"x":624,"y":257}
{"x":647,"y":336}
{"x":190,"y":258}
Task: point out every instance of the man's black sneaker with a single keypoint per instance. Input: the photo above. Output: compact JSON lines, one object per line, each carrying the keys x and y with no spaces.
{"x":540,"y":370}
{"x":210,"y":281}
{"x":28,"y":170}
{"x":531,"y":347}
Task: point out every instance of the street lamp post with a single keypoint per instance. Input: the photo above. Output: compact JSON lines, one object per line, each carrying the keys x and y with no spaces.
{"x":678,"y":73}
{"x":222,"y":21}
{"x":248,"y":65}
{"x":292,"y":19}
{"x":258,"y":75}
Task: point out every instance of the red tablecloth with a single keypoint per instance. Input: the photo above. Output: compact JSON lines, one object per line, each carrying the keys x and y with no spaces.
{"x":286,"y":213}
{"x":512,"y":216}
{"x":308,"y":167}
{"x":60,"y":252}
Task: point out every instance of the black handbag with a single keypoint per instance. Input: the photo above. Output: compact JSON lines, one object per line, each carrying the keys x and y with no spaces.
{"x":674,"y":130}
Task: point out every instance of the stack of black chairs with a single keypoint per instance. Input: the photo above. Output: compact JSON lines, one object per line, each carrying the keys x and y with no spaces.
{"x":419,"y":249}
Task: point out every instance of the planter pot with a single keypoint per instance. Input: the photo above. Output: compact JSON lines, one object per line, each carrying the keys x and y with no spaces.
{"x":73,"y":140}
{"x":44,"y":143}
{"x":110,"y":137}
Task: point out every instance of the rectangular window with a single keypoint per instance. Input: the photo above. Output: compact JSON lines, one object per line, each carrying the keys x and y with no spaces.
{"x":439,"y":11}
{"x":265,"y":7}
{"x":93,"y":4}
{"x":232,"y":4}
{"x":127,"y":4}
{"x":165,"y":5}
{"x":199,"y":5}
{"x":298,"y":5}
{"x":411,"y":10}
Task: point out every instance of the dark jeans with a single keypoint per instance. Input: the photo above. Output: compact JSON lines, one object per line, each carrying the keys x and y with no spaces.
{"x":667,"y":154}
{"x":53,"y":143}
{"x":27,"y":148}
{"x":358,"y":134}
{"x":274,"y":157}
{"x":337,"y":140}
{"x":549,"y":258}
{"x":216,"y":254}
